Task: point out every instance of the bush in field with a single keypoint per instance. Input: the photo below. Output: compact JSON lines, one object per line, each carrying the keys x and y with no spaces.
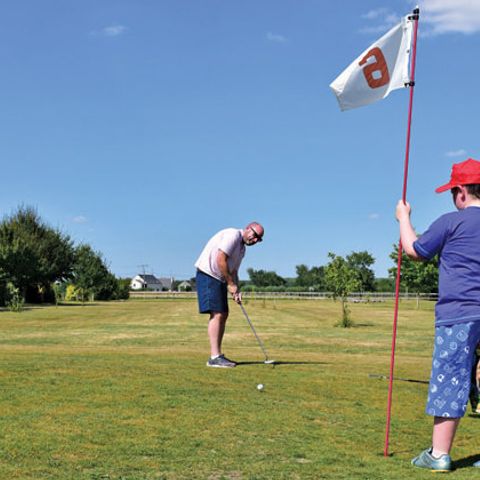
{"x":59,"y":290}
{"x":71,"y":293}
{"x":14,"y":300}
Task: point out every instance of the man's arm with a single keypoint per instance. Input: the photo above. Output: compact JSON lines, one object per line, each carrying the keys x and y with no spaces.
{"x":230,"y":277}
{"x":407,"y":233}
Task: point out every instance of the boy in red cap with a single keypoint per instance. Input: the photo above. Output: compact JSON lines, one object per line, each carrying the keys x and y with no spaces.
{"x":455,"y":237}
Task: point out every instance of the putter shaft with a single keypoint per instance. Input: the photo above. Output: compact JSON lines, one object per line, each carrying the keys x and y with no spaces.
{"x":262,"y":346}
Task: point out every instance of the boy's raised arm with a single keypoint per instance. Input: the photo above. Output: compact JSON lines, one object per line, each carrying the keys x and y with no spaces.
{"x":407,"y":233}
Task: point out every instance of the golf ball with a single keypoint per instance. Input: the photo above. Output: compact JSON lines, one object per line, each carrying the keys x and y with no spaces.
{"x":260,"y":387}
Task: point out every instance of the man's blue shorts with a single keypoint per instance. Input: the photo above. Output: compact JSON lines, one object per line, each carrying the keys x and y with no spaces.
{"x":211,"y":294}
{"x":452,"y":362}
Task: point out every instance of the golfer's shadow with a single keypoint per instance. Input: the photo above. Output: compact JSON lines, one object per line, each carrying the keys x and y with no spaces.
{"x":275,"y":362}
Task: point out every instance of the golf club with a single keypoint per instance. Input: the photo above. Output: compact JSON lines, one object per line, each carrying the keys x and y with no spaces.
{"x":262,"y":346}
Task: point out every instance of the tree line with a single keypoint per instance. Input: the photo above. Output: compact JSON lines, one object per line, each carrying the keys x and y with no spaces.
{"x":417,"y":277}
{"x":342,"y":276}
{"x":39,"y":263}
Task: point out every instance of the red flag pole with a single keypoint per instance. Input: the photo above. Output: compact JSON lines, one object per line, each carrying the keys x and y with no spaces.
{"x":415,"y":15}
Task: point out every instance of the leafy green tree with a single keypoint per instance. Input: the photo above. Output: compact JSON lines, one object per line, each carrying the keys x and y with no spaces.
{"x":361,"y":262}
{"x":262,"y":278}
{"x":91,"y":276}
{"x":33,"y":255}
{"x":123,"y":291}
{"x":310,"y":278}
{"x":341,"y":279}
{"x":385,"y":284}
{"x":416,"y":277}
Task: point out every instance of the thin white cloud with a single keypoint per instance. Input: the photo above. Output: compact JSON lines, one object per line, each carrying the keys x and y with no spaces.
{"x":275,"y":37}
{"x":382,"y":20}
{"x":79,"y":219}
{"x":114,"y":30}
{"x":373,"y":216}
{"x":450,"y":16}
{"x":456,"y":153}
{"x":373,"y":14}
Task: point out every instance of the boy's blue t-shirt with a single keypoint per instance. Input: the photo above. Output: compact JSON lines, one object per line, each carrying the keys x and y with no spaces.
{"x":455,"y":237}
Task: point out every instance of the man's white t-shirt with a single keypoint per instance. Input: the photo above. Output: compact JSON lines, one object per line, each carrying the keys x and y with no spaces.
{"x":229,"y":241}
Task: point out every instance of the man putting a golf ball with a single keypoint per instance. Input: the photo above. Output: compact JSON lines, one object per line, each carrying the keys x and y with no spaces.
{"x":217,"y":274}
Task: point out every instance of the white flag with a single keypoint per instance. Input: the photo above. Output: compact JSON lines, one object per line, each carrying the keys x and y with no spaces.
{"x":381,"y":68}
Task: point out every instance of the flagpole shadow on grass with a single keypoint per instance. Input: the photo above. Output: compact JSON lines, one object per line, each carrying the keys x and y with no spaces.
{"x":386,"y":377}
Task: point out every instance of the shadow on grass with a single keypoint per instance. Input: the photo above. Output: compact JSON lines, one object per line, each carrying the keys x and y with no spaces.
{"x":38,"y":306}
{"x":466,"y":462}
{"x":86,"y":304}
{"x":360,"y":325}
{"x":274,"y":363}
{"x":397,"y":379}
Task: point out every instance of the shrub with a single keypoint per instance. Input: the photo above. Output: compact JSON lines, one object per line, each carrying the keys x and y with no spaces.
{"x":14,"y":300}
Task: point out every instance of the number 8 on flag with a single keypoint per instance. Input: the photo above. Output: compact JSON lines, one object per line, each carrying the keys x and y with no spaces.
{"x":381,"y":68}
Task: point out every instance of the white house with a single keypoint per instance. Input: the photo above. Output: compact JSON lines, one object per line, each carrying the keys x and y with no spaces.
{"x":185,"y":286}
{"x":146,"y":282}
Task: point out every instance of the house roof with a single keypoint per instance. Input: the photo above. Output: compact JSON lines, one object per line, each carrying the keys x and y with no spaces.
{"x":149,"y":279}
{"x":166,"y":282}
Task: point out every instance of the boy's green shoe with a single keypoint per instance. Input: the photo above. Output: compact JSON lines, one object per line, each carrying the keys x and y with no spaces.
{"x":425,"y":460}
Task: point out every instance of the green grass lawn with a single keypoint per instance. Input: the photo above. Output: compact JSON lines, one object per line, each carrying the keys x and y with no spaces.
{"x":120,"y":390}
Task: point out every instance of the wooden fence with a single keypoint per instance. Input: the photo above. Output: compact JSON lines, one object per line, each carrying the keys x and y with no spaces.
{"x":354,"y":297}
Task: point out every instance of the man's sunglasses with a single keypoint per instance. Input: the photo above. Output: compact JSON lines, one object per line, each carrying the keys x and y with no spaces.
{"x":256,"y":235}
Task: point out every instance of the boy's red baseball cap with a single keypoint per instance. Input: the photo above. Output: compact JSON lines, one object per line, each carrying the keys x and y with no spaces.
{"x":464,"y":173}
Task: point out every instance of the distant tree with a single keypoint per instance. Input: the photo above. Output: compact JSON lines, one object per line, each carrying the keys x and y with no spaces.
{"x":341,"y":279}
{"x":361,"y":262}
{"x":385,"y":284}
{"x":262,"y":278}
{"x":310,"y":278}
{"x":416,"y":277}
{"x":33,"y":255}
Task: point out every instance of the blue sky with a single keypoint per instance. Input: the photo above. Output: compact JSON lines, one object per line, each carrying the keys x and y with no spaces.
{"x":144,"y":126}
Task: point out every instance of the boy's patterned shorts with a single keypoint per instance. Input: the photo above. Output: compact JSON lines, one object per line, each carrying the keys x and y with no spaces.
{"x":453,"y":358}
